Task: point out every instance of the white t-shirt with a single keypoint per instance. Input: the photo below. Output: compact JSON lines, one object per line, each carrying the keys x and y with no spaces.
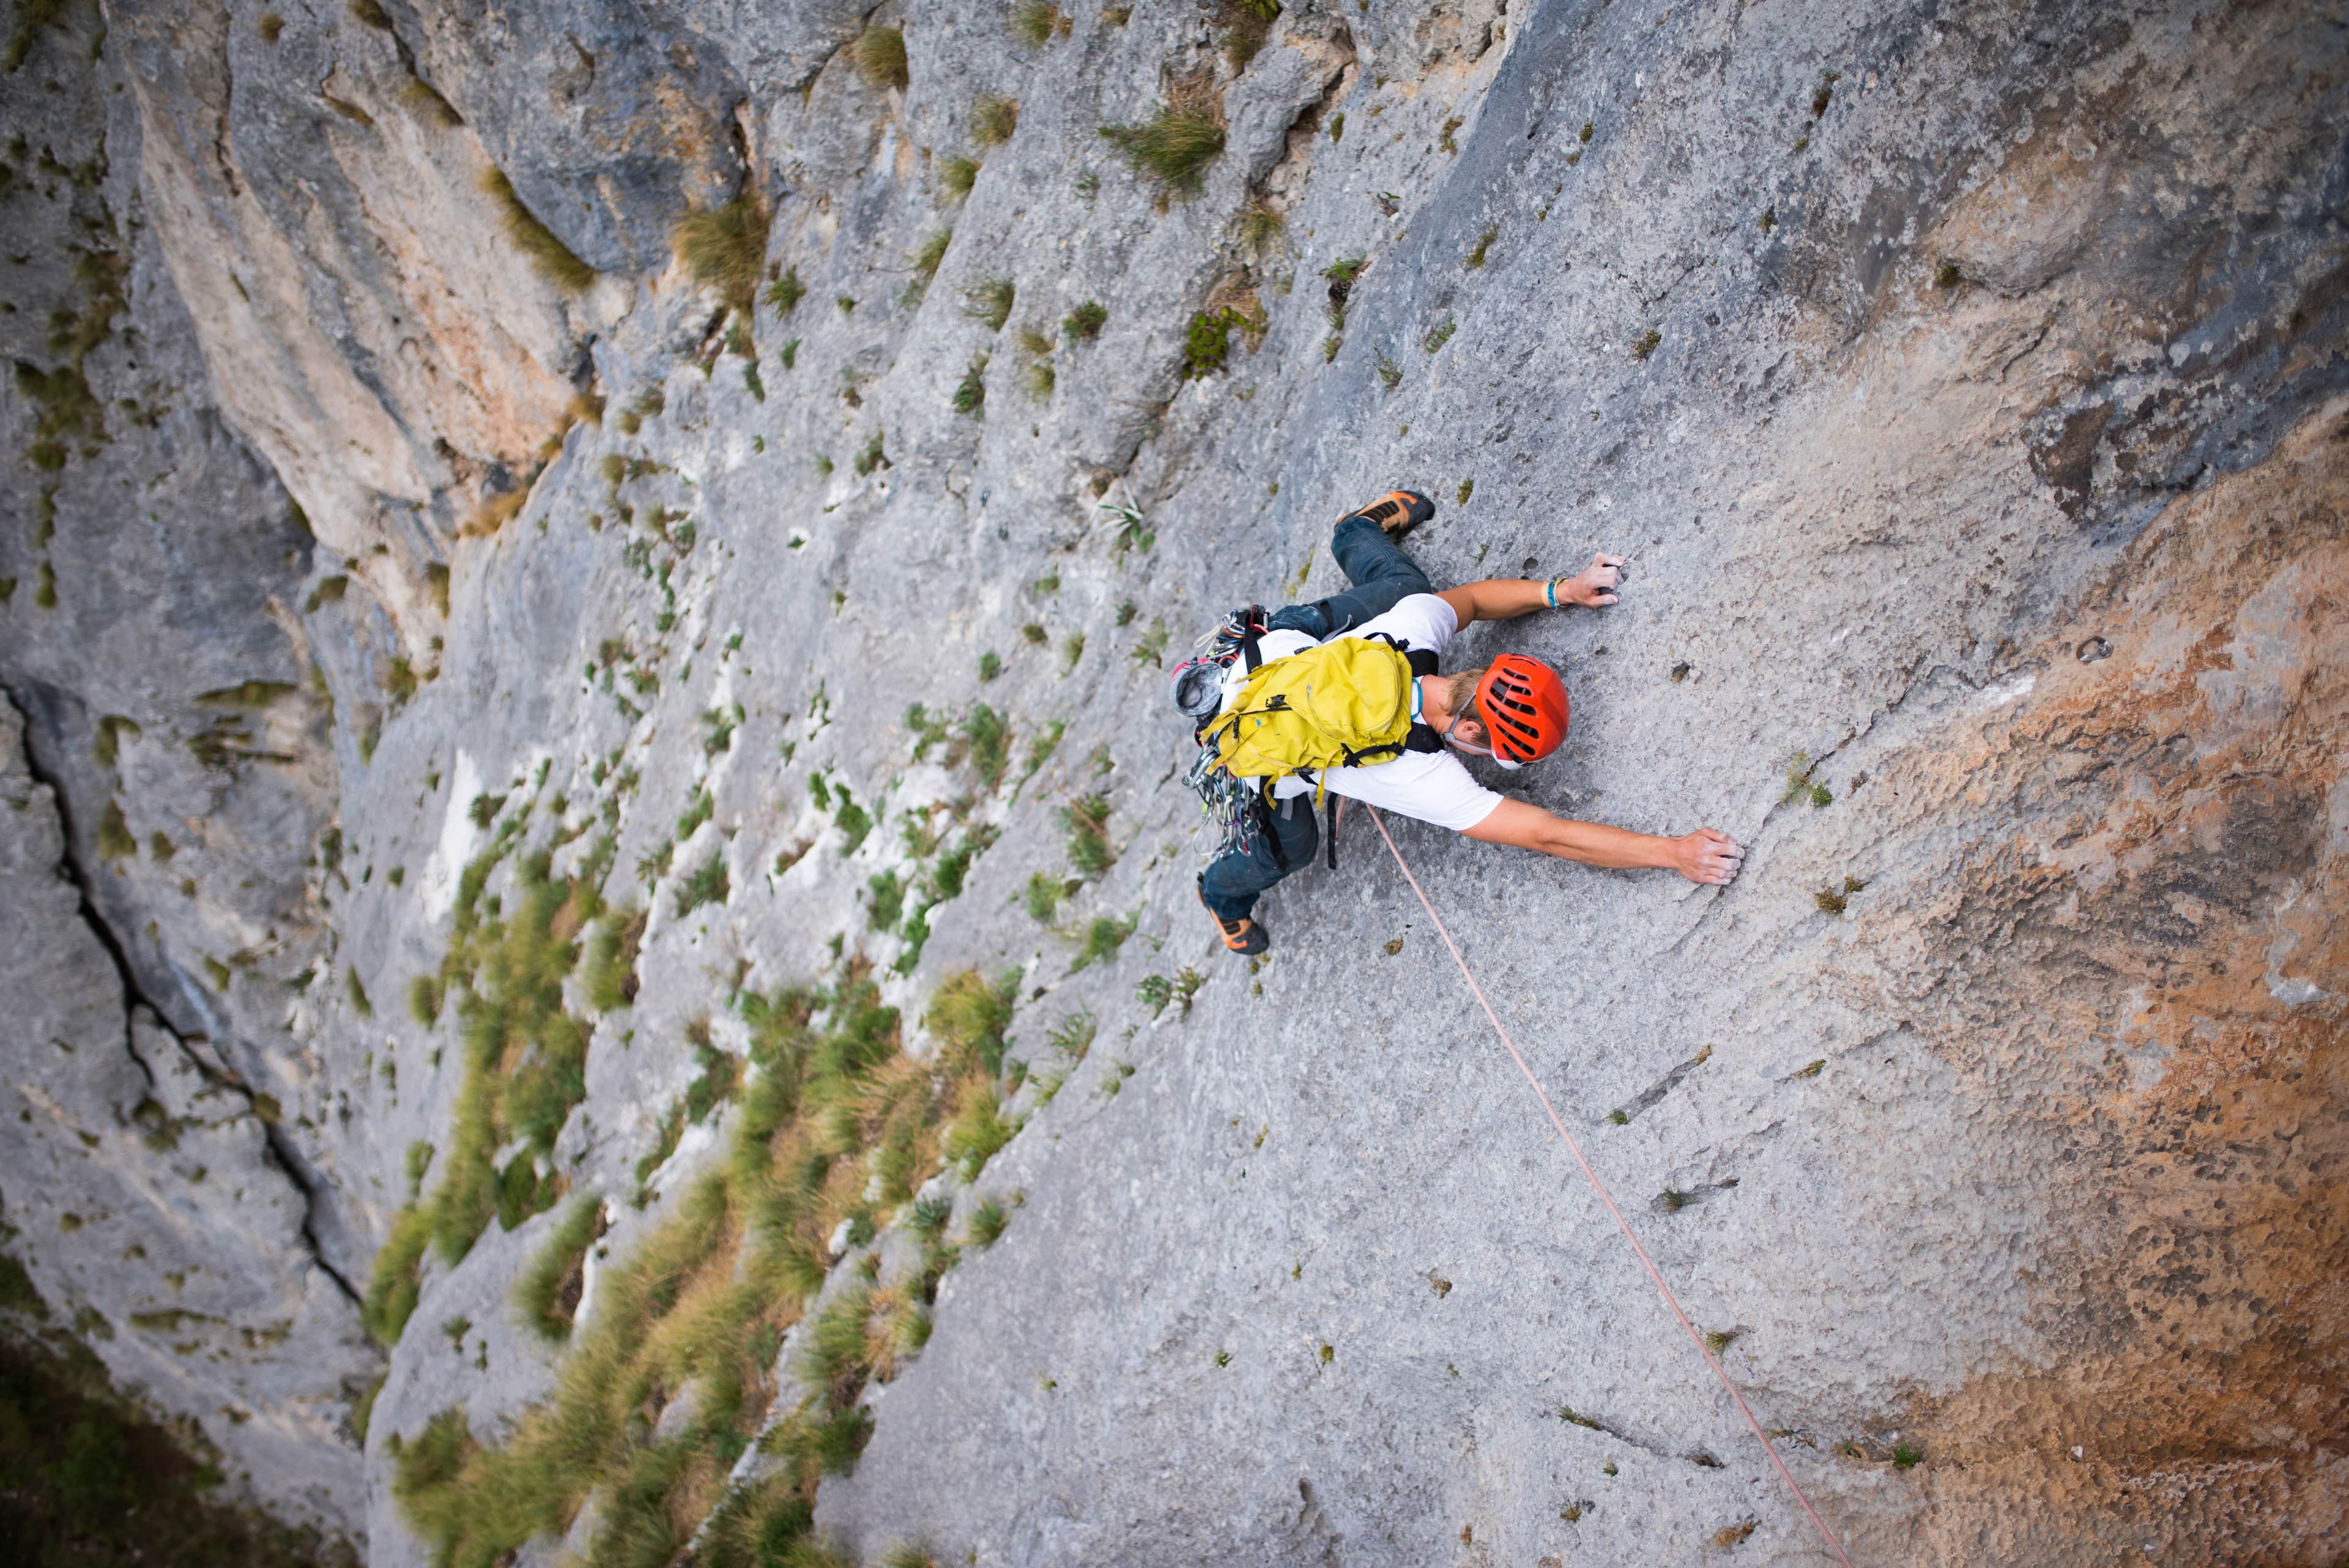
{"x":1429,"y":785}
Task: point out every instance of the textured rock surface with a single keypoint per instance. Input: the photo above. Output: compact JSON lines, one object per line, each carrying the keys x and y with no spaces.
{"x":1965,"y":385}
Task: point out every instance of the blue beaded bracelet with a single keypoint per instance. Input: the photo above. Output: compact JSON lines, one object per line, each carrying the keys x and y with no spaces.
{"x":1550,"y":592}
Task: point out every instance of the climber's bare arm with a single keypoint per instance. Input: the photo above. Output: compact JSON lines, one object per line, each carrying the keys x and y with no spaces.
{"x":1506,"y":599}
{"x":1704,"y":856}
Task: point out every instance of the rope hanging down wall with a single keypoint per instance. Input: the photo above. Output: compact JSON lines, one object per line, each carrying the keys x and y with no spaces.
{"x":1609,"y":1200}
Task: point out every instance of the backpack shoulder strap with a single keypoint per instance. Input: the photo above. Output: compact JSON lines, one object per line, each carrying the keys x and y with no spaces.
{"x":1420,"y":738}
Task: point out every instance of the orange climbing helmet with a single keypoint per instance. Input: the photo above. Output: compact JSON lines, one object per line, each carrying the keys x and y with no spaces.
{"x":1523,"y":704}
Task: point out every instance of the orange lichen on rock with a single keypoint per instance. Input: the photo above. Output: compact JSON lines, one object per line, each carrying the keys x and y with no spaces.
{"x":2164,"y":902}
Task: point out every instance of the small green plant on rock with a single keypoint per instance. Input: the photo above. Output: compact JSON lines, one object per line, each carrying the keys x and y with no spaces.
{"x":1151,"y":648}
{"x":988,"y":735}
{"x":707,"y":883}
{"x":1044,"y":892}
{"x":1187,"y":982}
{"x":1072,"y":1036}
{"x":1802,"y":785}
{"x":785,"y":292}
{"x":1155,"y":991}
{"x":1210,"y":342}
{"x":1098,"y":940}
{"x":1084,"y":323}
{"x":970,"y":392}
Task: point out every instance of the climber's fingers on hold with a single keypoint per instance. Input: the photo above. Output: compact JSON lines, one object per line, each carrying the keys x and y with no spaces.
{"x":1715,"y":858}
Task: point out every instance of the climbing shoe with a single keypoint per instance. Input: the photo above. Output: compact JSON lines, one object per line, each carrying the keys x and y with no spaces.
{"x":1241,"y":936}
{"x":1398,"y":512}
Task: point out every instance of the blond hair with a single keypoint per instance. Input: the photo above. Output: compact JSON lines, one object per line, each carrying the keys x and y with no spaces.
{"x":1460,"y":694}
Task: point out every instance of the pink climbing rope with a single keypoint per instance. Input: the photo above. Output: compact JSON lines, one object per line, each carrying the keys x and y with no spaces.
{"x":1607,"y":1199}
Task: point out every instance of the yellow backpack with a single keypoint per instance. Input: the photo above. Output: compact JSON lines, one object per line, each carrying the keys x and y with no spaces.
{"x":1345,"y":704}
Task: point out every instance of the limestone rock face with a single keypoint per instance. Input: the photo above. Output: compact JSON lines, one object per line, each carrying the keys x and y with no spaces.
{"x":1969,"y":390}
{"x":149,"y":1197}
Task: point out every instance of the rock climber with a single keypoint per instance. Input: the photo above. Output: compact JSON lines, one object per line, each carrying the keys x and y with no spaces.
{"x":1513,"y":710}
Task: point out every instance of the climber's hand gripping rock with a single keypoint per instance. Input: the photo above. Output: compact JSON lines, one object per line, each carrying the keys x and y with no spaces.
{"x":1594,"y":587}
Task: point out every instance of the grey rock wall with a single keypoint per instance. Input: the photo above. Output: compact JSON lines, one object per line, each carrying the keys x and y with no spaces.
{"x":1965,"y":386}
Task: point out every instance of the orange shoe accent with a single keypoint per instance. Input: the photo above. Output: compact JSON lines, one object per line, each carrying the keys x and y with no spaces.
{"x":1398,"y":512}
{"x":1241,"y":936}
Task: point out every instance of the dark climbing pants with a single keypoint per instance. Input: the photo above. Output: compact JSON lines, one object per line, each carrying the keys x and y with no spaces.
{"x":1379,"y":574}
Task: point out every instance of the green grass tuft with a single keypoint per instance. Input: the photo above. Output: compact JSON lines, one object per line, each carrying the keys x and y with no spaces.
{"x":707,"y":885}
{"x":987,"y":1223}
{"x":1043,"y":895}
{"x":1176,"y":144}
{"x":1261,"y":226}
{"x":1246,"y":24}
{"x":704,"y":1299}
{"x":725,"y":247}
{"x":924,"y":260}
{"x":1034,"y":22}
{"x":555,"y":260}
{"x":548,"y":1292}
{"x":993,"y":119}
{"x":1086,"y":822}
{"x":988,"y":735}
{"x":1084,"y":323}
{"x":115,"y":839}
{"x":989,"y":300}
{"x":956,"y":175}
{"x":879,"y":55}
{"x":612,"y":950}
{"x":969,"y":1013}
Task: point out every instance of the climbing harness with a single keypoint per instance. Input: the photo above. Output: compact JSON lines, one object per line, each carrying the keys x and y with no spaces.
{"x":1607,"y":1199}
